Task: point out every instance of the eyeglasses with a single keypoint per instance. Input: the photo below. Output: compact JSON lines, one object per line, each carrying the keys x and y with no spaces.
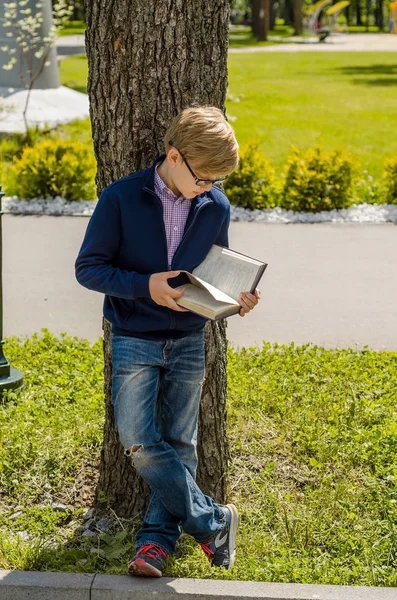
{"x":198,"y":181}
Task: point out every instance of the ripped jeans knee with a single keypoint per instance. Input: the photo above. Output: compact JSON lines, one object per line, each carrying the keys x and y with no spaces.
{"x":133,"y":449}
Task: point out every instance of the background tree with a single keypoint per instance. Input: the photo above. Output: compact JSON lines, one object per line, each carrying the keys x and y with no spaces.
{"x":379,"y":15}
{"x":32,"y":29}
{"x":298,"y":17}
{"x":147,"y":61}
{"x":287,"y":11}
{"x":261,"y":19}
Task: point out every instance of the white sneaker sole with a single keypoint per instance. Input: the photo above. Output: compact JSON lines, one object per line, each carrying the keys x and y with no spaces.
{"x":233,"y":533}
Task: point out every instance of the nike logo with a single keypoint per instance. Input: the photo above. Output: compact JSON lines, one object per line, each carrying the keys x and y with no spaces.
{"x":219,"y":541}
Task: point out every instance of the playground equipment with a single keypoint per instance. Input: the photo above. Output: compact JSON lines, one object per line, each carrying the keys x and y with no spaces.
{"x":313,"y":25}
{"x":333,"y":13}
{"x":323,"y":29}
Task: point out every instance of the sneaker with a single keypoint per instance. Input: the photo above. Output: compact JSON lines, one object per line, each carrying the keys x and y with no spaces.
{"x":149,"y":561}
{"x":221,"y":550}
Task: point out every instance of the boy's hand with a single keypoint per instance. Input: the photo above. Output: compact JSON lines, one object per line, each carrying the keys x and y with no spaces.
{"x":162,"y":293}
{"x":248,"y":301}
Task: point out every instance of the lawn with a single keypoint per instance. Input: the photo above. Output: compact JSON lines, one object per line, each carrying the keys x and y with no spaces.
{"x":73,"y":28}
{"x":338,"y":99}
{"x":241,"y":36}
{"x":73,"y":72}
{"x":313,"y":441}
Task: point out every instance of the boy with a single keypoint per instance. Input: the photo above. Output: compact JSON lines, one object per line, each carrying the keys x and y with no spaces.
{"x":145,"y":228}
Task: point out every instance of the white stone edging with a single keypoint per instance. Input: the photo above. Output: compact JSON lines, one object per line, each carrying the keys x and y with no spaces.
{"x":358,"y":213}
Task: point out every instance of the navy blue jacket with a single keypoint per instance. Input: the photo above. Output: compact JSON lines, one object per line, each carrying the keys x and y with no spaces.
{"x":125,"y":243}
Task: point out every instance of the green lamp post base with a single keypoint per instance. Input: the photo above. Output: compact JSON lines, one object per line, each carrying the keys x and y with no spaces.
{"x":10,"y":379}
{"x":13,"y":381}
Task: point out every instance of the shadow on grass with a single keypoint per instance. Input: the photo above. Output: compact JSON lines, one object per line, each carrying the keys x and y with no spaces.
{"x":365,"y":74}
{"x":74,"y":86}
{"x":369,"y":70}
{"x":380,"y":82}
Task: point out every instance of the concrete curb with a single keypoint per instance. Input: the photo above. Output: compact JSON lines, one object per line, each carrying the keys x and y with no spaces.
{"x":35,"y":585}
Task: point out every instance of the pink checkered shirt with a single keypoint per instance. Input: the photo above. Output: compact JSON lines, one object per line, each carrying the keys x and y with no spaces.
{"x":175,"y":213}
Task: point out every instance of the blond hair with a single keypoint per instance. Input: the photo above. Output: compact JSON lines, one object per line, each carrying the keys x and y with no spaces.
{"x":202,"y":135}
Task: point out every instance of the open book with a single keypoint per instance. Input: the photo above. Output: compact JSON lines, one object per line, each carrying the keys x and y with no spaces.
{"x":215,"y":285}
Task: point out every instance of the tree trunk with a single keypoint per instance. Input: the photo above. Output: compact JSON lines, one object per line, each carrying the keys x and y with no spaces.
{"x":368,"y":13}
{"x":358,"y":13}
{"x":348,"y":15}
{"x":147,"y":61}
{"x":298,"y":17}
{"x":255,"y":17}
{"x":288,"y":12}
{"x":380,"y":23}
{"x":263,"y":20}
{"x":273,"y":16}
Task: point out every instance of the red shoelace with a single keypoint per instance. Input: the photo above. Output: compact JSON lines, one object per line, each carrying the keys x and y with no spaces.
{"x":207,"y":549}
{"x":151,"y":550}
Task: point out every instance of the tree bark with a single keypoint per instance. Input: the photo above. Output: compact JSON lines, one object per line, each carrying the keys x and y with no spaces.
{"x":358,"y":13}
{"x":273,"y":16}
{"x":255,"y":17}
{"x":348,"y":15}
{"x":379,"y":18}
{"x":262,"y":26}
{"x":288,"y":12}
{"x":298,"y":17}
{"x":147,"y":61}
{"x":367,"y":14}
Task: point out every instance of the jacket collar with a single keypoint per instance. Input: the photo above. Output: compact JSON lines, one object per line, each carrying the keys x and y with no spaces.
{"x":148,"y":183}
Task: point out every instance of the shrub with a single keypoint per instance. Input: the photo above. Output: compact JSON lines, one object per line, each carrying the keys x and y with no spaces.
{"x":390,"y":177}
{"x":54,"y":168}
{"x":369,"y":191}
{"x":253,"y":184}
{"x":317,"y":180}
{"x":12,"y":146}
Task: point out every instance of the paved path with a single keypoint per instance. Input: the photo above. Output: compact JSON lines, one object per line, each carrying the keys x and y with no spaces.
{"x":70,"y":44}
{"x":357,"y":42}
{"x":331,"y":284}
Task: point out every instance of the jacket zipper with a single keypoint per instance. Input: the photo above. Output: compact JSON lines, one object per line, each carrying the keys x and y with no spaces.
{"x":188,"y":230}
{"x":181,"y":243}
{"x":162,"y":222}
{"x":172,"y":317}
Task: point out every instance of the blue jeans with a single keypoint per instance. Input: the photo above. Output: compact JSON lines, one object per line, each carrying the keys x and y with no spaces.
{"x":156,"y":390}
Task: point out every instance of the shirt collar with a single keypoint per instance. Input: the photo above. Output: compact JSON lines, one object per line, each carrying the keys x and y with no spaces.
{"x":161,"y":188}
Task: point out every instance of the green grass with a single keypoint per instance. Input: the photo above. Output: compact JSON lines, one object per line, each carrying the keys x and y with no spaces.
{"x":313,"y":440}
{"x":336,"y":99}
{"x":74,"y":72}
{"x":363,"y":29}
{"x":241,"y":36}
{"x":73,"y":28}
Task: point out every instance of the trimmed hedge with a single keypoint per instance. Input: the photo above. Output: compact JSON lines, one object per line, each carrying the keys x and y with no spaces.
{"x":314,"y":179}
{"x":390,"y":176}
{"x":253,"y":184}
{"x":317,"y":180}
{"x":53,"y":168}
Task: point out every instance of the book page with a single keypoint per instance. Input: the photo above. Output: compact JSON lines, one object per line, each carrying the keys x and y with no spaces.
{"x":202,"y":301}
{"x":228,"y":271}
{"x":215,"y":292}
